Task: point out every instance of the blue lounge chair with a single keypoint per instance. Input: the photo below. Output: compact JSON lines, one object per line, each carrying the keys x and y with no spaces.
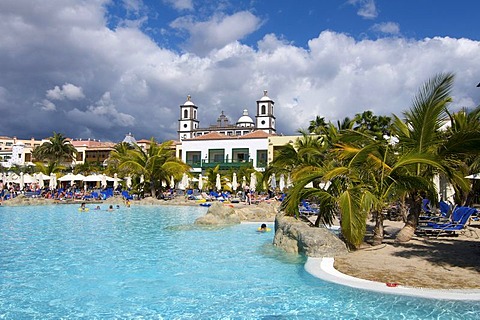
{"x":445,"y":208}
{"x":126,"y":195}
{"x":446,"y":213}
{"x":463,"y":215}
{"x":305,"y":208}
{"x":454,"y":217}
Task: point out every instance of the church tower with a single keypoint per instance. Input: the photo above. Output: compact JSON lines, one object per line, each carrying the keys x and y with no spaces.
{"x":188,"y":120}
{"x":265,"y":120}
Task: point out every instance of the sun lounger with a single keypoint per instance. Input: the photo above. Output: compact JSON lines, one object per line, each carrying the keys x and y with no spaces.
{"x":450,"y":228}
{"x":126,"y":195}
{"x":454,"y":217}
{"x":206,"y":196}
{"x":307,"y":209}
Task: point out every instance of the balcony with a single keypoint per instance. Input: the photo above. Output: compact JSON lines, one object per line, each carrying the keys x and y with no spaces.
{"x":194,"y":164}
{"x":225,"y":164}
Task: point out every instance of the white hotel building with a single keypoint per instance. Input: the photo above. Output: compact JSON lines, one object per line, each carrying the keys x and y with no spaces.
{"x":230,"y":145}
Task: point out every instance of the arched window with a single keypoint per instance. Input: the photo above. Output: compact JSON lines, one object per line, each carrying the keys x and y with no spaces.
{"x":263,"y":109}
{"x":185,"y":113}
{"x":194,"y":114}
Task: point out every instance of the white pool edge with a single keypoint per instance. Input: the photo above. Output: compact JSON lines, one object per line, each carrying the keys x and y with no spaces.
{"x":322,"y":268}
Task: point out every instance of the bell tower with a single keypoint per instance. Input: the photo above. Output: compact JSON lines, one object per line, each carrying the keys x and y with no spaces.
{"x":265,"y":120}
{"x":188,"y":121}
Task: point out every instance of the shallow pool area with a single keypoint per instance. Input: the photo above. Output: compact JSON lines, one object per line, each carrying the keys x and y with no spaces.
{"x":151,"y":262}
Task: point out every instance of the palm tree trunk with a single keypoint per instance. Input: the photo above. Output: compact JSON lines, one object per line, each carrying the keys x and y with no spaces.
{"x":378,"y":233}
{"x":407,"y":232}
{"x":153,"y":190}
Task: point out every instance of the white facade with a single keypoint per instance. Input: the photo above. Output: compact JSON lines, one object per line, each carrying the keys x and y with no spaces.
{"x":18,"y":152}
{"x":229,"y":152}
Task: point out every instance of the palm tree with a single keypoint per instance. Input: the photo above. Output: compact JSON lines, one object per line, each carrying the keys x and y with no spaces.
{"x":421,"y":132}
{"x":88,"y":168}
{"x":462,"y":146}
{"x":57,"y":149}
{"x":158,"y":163}
{"x":376,"y":125}
{"x":211,"y":174}
{"x":52,"y":167}
{"x":318,"y":125}
{"x":117,"y":156}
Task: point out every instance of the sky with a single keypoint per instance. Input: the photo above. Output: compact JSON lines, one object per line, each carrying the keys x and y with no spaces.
{"x":100,"y":69}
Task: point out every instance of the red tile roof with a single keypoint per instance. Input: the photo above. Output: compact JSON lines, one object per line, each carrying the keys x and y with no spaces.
{"x":219,"y":136}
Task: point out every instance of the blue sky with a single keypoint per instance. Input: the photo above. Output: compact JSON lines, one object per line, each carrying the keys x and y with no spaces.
{"x":100,"y":69}
{"x":300,"y":21}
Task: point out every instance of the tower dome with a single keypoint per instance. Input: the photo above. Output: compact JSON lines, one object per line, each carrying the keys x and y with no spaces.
{"x":245,"y":120}
{"x":189,"y":101}
{"x":130,"y":139}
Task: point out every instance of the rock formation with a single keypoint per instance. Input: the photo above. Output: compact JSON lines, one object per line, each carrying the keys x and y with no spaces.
{"x":296,"y":236}
{"x":219,"y":215}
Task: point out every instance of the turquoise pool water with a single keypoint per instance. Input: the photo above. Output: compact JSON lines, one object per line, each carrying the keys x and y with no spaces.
{"x":152,"y":263}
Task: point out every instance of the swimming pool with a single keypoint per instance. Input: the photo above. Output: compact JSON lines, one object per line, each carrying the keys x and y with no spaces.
{"x":152,"y":262}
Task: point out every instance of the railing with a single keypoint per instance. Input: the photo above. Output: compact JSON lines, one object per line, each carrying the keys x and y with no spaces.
{"x":226,"y":163}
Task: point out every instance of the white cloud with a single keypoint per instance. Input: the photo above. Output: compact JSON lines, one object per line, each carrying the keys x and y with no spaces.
{"x":133,"y":6}
{"x":68,"y":91}
{"x":180,"y":4}
{"x":103,"y":114}
{"x":392,"y":28}
{"x":366,"y":8}
{"x":45,"y":45}
{"x":47,"y":105}
{"x":217,"y":32}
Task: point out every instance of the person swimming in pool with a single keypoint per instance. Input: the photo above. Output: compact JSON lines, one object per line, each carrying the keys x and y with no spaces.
{"x":263,"y":228}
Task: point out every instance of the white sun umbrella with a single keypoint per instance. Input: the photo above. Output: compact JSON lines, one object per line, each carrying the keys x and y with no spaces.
{"x":218,"y":183}
{"x":281,"y":183}
{"x":128,"y":182}
{"x":115,"y":181}
{"x":67,"y":177}
{"x":475,"y":176}
{"x":29,"y":179}
{"x":142,"y":179}
{"x":200,"y":182}
{"x":79,"y":177}
{"x":253,"y":181}
{"x":234,"y":182}
{"x":39,"y":179}
{"x":21,"y":181}
{"x":244,"y":182}
{"x":172,"y":182}
{"x":92,"y":178}
{"x":43,"y":176}
{"x":273,"y":181}
{"x":103,"y":181}
{"x":289,"y":181}
{"x":182,"y":185}
{"x":53,"y":181}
